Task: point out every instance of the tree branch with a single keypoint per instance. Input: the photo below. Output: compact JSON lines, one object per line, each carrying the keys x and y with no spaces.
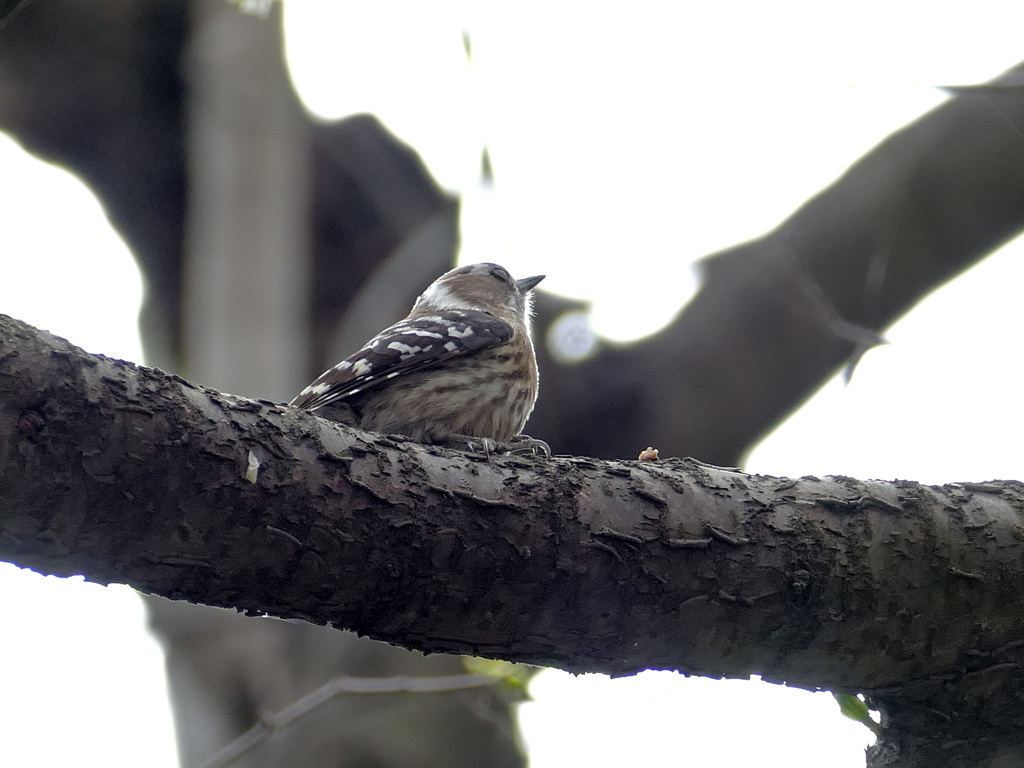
{"x":128,"y":474}
{"x":776,"y":316}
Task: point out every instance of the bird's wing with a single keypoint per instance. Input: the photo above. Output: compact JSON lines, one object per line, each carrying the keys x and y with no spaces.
{"x":409,"y":345}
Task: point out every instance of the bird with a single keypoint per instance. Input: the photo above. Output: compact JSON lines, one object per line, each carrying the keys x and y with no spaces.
{"x":459,"y":369}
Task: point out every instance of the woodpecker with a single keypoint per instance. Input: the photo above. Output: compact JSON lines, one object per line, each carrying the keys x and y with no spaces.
{"x":459,"y":369}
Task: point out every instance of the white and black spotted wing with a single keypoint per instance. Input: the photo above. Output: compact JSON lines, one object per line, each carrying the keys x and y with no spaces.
{"x":409,"y":345}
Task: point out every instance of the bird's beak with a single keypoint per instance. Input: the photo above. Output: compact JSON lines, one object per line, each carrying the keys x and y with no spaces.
{"x":529,"y":283}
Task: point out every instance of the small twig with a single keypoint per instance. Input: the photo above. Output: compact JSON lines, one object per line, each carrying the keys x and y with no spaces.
{"x":275,"y":721}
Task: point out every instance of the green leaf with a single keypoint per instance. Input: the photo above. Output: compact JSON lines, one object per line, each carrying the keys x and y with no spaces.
{"x":513,"y":676}
{"x":854,"y":708}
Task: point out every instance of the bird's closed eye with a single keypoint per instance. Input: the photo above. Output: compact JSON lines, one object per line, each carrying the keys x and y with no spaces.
{"x":501,"y":275}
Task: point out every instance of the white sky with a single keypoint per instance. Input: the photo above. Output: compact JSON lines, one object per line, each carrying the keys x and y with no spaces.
{"x":716,"y":120}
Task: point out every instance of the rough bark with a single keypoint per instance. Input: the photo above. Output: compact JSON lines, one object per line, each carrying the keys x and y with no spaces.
{"x":902,"y":591}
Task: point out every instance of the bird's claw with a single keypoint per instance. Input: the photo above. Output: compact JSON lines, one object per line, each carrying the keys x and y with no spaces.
{"x":518,"y":445}
{"x":485,"y":445}
{"x":524,"y":444}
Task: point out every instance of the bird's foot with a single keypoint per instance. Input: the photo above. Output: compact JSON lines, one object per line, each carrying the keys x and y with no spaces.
{"x":519,"y":445}
{"x":526,"y":445}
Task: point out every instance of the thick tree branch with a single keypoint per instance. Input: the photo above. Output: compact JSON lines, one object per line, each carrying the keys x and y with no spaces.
{"x":774,"y":316}
{"x":127,"y":474}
